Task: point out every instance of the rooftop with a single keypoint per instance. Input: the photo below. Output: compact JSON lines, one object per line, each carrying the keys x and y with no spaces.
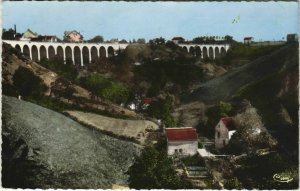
{"x":181,"y":134}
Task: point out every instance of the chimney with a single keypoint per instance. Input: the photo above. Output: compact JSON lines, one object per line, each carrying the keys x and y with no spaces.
{"x":15,"y":28}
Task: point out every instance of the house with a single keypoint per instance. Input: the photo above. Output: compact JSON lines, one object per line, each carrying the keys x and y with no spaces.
{"x":248,"y":40}
{"x":292,"y":38}
{"x":45,"y":38}
{"x":181,"y":141}
{"x":73,"y":36}
{"x":178,"y":40}
{"x":223,"y":132}
{"x":28,"y":35}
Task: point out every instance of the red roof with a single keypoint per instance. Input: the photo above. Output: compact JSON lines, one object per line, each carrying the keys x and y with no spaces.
{"x":181,"y":134}
{"x":226,"y":120}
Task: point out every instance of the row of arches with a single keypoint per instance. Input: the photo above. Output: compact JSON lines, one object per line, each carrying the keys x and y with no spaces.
{"x":210,"y":52}
{"x":78,"y":56}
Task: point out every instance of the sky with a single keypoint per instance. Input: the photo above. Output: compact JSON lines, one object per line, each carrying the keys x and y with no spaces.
{"x":133,"y":20}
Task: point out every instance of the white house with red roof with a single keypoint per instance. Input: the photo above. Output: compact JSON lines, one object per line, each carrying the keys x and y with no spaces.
{"x":223,"y":132}
{"x":182,"y":141}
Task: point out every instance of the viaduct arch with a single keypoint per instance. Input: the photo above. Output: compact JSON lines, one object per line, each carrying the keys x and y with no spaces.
{"x":211,"y":51}
{"x":77,"y":53}
{"x":84,"y":53}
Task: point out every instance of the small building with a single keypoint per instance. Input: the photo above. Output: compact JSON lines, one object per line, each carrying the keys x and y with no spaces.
{"x":73,"y":36}
{"x":292,"y":38}
{"x":181,"y":141}
{"x":44,"y":38}
{"x":28,"y":35}
{"x":248,"y":40}
{"x":178,"y":40}
{"x":223,"y":132}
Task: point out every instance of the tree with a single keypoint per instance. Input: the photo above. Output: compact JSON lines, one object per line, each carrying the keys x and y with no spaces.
{"x":97,"y":39}
{"x":162,"y":109}
{"x":141,"y":41}
{"x":228,"y":39}
{"x":153,"y":170}
{"x":27,"y":83}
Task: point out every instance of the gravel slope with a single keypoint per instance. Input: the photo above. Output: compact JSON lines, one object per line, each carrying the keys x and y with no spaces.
{"x":44,"y":149}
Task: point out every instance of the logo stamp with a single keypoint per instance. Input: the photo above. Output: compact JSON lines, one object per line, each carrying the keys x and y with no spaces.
{"x":284,"y":178}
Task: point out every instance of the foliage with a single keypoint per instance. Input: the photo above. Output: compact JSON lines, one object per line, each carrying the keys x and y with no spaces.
{"x":66,"y":70}
{"x":200,"y":145}
{"x":162,"y":109}
{"x":244,"y":52}
{"x":258,"y":171}
{"x":244,"y":139}
{"x":214,"y":114}
{"x":116,"y":92}
{"x":160,"y":72}
{"x":153,"y":170}
{"x":97,"y":39}
{"x":27,"y":83}
{"x":102,"y":87}
{"x":194,"y":160}
{"x":233,"y":184}
{"x":225,"y":108}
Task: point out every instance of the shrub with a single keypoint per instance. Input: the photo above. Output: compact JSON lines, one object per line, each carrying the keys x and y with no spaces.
{"x":27,"y":83}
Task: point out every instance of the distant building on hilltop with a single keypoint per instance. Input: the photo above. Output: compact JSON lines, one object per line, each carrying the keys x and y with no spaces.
{"x":28,"y":35}
{"x":248,"y":40}
{"x":292,"y":38}
{"x":73,"y":36}
{"x":178,"y":40}
{"x":223,"y":132}
{"x":44,"y":38}
{"x":181,"y":141}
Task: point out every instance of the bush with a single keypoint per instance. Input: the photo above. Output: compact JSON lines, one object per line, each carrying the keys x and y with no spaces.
{"x":105,"y":88}
{"x":27,"y":83}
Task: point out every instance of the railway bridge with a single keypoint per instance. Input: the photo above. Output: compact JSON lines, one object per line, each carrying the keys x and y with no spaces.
{"x":85,"y":53}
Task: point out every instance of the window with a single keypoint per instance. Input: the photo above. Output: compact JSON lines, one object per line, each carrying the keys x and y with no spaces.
{"x":218,"y":134}
{"x":176,"y":150}
{"x":180,"y":150}
{"x":224,"y":142}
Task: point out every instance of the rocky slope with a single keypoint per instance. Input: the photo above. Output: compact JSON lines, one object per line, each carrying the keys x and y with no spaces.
{"x":227,"y":85}
{"x":45,"y":149}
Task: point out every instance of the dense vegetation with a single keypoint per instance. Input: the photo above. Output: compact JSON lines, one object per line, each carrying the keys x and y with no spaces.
{"x":105,"y":88}
{"x":153,"y":170}
{"x":159,"y":72}
{"x":214,"y":114}
{"x":66,"y":70}
{"x":239,"y":51}
{"x":258,"y":171}
{"x":27,"y":84}
{"x":162,"y":109}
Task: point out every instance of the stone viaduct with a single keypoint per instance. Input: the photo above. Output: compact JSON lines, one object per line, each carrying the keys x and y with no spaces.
{"x":78,"y":53}
{"x":211,"y":51}
{"x":85,"y":53}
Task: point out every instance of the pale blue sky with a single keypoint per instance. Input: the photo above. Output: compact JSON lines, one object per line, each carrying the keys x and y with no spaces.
{"x":128,"y":20}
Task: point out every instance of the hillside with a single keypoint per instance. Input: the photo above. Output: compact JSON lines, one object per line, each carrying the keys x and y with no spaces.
{"x":58,"y":152}
{"x":270,"y":83}
{"x":227,"y":85}
{"x":12,"y":60}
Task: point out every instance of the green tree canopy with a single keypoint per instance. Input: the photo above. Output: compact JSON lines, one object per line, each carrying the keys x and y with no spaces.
{"x":153,"y":170}
{"x":28,"y":84}
{"x":97,"y":39}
